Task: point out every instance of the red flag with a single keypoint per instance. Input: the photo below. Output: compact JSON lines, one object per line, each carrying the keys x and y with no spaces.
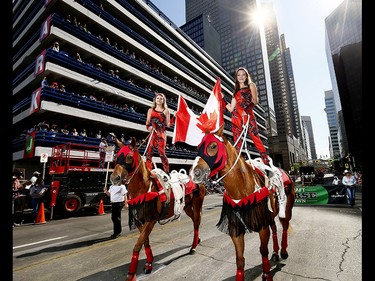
{"x":213,"y":108}
{"x":189,"y":127}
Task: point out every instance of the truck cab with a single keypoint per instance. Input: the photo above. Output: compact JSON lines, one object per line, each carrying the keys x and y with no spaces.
{"x":77,"y":181}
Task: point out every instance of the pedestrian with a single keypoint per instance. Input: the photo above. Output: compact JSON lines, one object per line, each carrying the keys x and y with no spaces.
{"x":119,"y":199}
{"x":245,"y":98}
{"x":45,"y":82}
{"x":37,"y":191}
{"x":102,"y":147}
{"x":158,"y":119}
{"x":350,"y":184}
{"x":99,"y":134}
{"x":56,"y":47}
{"x":17,"y":202}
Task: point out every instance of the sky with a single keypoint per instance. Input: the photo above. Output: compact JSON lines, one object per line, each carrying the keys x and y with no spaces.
{"x":302,"y":23}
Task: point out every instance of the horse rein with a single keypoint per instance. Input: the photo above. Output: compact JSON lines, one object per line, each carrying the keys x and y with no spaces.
{"x":244,"y":132}
{"x":144,"y":140}
{"x":242,"y":135}
{"x":140,"y":145}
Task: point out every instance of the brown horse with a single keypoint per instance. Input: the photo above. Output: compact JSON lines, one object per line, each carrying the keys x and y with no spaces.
{"x":149,"y":202}
{"x":248,"y":205}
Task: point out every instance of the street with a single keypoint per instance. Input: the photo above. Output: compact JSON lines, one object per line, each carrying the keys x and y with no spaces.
{"x":325,"y":243}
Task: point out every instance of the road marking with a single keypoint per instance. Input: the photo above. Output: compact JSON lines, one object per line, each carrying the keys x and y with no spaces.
{"x":43,"y":241}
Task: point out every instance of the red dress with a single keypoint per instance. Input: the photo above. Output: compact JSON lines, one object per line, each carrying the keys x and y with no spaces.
{"x":158,"y":139}
{"x":242,"y":111}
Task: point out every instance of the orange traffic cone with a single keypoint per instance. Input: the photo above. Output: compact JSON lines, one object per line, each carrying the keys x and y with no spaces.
{"x":101,"y":208}
{"x":40,"y":217}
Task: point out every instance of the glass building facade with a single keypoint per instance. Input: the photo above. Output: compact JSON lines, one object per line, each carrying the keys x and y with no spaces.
{"x":344,"y":55}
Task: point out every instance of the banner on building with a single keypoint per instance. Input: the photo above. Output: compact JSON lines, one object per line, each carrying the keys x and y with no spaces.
{"x":29,"y":145}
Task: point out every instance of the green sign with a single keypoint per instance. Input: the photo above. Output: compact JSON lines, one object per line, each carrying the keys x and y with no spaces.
{"x":311,"y":195}
{"x":319,"y":194}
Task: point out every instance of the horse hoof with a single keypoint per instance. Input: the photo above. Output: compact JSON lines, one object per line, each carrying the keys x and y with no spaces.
{"x":146,"y":271}
{"x":275,"y":257}
{"x":192,"y":252}
{"x":284,"y":255}
{"x":147,"y":268}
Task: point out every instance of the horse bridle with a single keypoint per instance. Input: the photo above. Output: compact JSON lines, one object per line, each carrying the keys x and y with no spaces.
{"x":130,"y":168}
{"x":215,"y":162}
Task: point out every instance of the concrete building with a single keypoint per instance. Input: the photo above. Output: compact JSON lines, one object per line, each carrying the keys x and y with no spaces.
{"x":111,"y":57}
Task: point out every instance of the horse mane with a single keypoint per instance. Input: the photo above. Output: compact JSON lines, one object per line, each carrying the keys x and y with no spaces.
{"x":142,"y":169}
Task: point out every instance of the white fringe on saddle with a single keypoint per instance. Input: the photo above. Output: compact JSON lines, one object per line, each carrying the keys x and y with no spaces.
{"x":176,"y":182}
{"x":275,"y":179}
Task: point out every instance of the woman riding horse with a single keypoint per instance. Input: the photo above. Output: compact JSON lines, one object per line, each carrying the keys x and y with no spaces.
{"x":248,"y":205}
{"x":148,"y":202}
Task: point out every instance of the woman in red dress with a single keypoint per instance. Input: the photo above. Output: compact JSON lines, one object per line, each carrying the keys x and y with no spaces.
{"x":158,"y":119}
{"x":245,"y":97}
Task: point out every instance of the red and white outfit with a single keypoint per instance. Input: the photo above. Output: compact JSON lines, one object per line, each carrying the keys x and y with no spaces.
{"x":240,"y":114}
{"x":158,"y":139}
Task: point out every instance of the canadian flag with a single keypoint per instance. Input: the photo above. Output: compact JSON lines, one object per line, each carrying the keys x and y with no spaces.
{"x":191,"y":128}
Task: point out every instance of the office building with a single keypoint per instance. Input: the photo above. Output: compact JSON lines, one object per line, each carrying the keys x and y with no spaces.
{"x":310,"y":143}
{"x":289,"y":139}
{"x":331,"y":113}
{"x":259,"y":47}
{"x":242,"y":44}
{"x":344,"y":55}
{"x":202,"y":32}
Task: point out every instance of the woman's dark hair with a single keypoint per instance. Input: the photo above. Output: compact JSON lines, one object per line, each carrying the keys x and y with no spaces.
{"x":237,"y":84}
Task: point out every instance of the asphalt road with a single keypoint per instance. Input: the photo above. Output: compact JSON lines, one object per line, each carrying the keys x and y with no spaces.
{"x":325,"y":243}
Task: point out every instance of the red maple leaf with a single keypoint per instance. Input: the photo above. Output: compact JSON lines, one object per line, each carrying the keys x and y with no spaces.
{"x":207,"y":124}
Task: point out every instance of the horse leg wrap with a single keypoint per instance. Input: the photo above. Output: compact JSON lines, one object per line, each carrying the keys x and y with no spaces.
{"x":240,"y":275}
{"x":267,"y":276}
{"x":195,"y":240}
{"x":284,"y":240}
{"x":149,"y":255}
{"x":266,"y":265}
{"x":275,"y":243}
{"x":134,"y":263}
{"x":131,"y":277}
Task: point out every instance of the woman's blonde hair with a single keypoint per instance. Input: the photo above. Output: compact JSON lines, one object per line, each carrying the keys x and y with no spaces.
{"x":165,"y":106}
